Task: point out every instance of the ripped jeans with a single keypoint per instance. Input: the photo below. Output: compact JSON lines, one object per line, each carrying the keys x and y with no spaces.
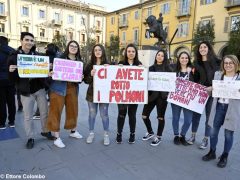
{"x":93,"y":108}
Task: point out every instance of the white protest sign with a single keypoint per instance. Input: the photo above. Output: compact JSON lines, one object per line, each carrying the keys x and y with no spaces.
{"x":226,"y":89}
{"x":32,"y":66}
{"x":120,"y":84}
{"x":162,"y":81}
{"x":189,"y":95}
{"x":67,"y":70}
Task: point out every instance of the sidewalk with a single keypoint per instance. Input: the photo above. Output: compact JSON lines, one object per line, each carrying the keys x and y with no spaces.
{"x":81,"y":161}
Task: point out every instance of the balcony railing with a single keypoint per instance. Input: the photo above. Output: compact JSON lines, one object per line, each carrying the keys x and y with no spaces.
{"x":232,"y":3}
{"x":123,"y":23}
{"x":3,"y":14}
{"x":184,"y":9}
{"x":56,"y":22}
{"x":98,"y":29}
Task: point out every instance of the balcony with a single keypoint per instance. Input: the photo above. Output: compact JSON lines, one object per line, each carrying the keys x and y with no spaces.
{"x":42,"y":39}
{"x":123,"y":23}
{"x":56,"y":22}
{"x":232,"y":3}
{"x":98,"y":29}
{"x":3,"y":15}
{"x":184,"y":9}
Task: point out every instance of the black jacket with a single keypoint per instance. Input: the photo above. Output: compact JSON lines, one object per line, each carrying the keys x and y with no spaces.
{"x":25,"y":86}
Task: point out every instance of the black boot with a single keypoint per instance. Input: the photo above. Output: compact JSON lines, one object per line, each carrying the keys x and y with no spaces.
{"x":119,"y":138}
{"x":223,"y":160}
{"x":183,"y":140}
{"x":209,"y":156}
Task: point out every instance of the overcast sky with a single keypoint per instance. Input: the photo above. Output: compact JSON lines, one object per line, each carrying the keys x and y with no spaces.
{"x":112,"y":5}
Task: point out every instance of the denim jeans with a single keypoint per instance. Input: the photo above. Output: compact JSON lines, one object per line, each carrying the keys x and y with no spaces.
{"x":93,"y":108}
{"x":196,"y":118}
{"x":221,"y":110}
{"x":176,"y":112}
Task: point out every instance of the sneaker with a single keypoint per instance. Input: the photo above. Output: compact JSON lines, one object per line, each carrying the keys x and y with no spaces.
{"x":106,"y":140}
{"x":191,"y":140}
{"x":222,"y":161}
{"x":183,"y":141}
{"x":176,"y":140}
{"x":48,"y":135}
{"x":156,"y":141}
{"x":76,"y":134}
{"x":58,"y":142}
{"x":11,"y":125}
{"x":209,"y":156}
{"x":30,"y":143}
{"x":204,"y":143}
{"x":119,"y":138}
{"x":131,"y":139}
{"x":2,"y":127}
{"x":90,"y":138}
{"x":147,"y":136}
{"x":35,"y":117}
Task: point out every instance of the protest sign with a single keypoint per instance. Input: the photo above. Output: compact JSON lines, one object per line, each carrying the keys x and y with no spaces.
{"x":120,"y":84}
{"x":189,"y":95}
{"x":32,"y":66}
{"x":162,"y":81}
{"x":226,"y":89}
{"x":67,"y":70}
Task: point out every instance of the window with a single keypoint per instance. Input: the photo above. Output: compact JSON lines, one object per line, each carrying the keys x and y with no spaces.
{"x":98,"y":23}
{"x":2,"y":8}
{"x":57,"y":17}
{"x":57,"y":33}
{"x":83,"y":38}
{"x":25,"y":11}
{"x":2,"y":28}
{"x":98,"y":39}
{"x":41,"y":14}
{"x":165,"y":8}
{"x":183,"y":29}
{"x":149,"y":11}
{"x":205,"y":22}
{"x":124,"y":18}
{"x":112,"y":20}
{"x":207,"y":2}
{"x":42,"y":33}
{"x":234,"y":20}
{"x":165,"y":27}
{"x":25,"y":29}
{"x":124,"y":37}
{"x":184,"y":7}
{"x":70,"y":19}
{"x":135,"y":36}
{"x":136,"y":15}
{"x":70,"y":36}
{"x":83,"y":21}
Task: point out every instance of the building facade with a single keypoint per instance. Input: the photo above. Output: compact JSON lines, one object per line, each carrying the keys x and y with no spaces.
{"x":47,"y":18}
{"x":180,"y":18}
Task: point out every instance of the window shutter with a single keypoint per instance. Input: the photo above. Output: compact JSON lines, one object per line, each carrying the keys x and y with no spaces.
{"x":226,"y":25}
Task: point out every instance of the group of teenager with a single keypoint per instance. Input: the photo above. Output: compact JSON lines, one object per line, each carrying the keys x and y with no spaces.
{"x":206,"y":67}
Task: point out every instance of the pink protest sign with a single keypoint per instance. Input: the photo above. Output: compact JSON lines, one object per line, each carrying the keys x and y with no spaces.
{"x":67,"y":70}
{"x":189,"y":95}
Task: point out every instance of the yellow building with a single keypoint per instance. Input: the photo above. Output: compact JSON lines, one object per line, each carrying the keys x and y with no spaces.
{"x":46,"y":18}
{"x":223,"y":13}
{"x":129,"y":23}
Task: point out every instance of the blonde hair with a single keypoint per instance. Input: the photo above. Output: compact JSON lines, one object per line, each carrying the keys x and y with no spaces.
{"x":234,"y":60}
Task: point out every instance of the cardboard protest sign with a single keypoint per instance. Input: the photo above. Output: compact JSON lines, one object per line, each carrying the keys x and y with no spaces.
{"x":32,"y":66}
{"x":226,"y":89}
{"x":162,"y":81}
{"x":120,"y":84}
{"x":189,"y":95}
{"x":67,"y":70}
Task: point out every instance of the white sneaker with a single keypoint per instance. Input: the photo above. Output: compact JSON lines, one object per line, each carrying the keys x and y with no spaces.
{"x":106,"y":140}
{"x":90,"y":138}
{"x":76,"y":135}
{"x":58,"y":142}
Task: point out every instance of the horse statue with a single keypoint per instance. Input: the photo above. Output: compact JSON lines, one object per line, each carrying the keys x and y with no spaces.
{"x":156,"y":29}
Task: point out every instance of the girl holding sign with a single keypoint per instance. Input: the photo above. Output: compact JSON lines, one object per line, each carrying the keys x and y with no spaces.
{"x":130,"y":59}
{"x":206,"y":64}
{"x":64,"y":93}
{"x":158,"y":99}
{"x":98,"y":57}
{"x":183,"y":70}
{"x":224,"y":112}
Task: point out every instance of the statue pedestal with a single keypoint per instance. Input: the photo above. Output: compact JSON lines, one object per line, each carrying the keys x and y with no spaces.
{"x":147,"y":57}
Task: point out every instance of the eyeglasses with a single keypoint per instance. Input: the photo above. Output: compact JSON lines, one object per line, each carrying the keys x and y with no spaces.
{"x":228,"y":63}
{"x":72,"y":46}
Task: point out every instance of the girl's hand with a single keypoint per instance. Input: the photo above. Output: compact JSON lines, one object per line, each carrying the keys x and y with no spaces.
{"x":189,"y":69}
{"x":12,"y":68}
{"x":93,"y":71}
